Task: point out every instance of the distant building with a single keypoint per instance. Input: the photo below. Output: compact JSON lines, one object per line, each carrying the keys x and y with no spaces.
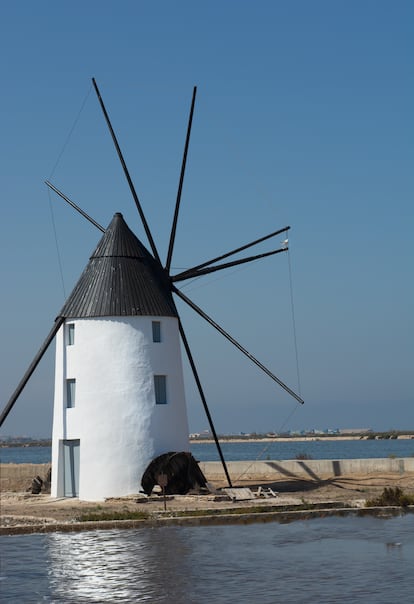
{"x":355,"y":431}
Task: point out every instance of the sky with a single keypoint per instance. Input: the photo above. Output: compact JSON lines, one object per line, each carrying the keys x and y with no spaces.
{"x":304,"y":117}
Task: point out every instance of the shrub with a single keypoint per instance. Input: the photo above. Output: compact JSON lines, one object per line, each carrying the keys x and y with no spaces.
{"x":390,"y":496}
{"x":102,"y":516}
{"x":303,"y":456}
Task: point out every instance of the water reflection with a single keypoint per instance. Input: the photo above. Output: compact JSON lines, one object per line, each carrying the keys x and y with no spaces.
{"x":347,"y":560}
{"x":129,"y":566}
{"x":324,"y":561}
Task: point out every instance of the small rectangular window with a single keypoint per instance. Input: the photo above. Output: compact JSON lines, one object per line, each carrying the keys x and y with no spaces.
{"x":156,"y":331}
{"x":70,"y":393}
{"x":160,"y":386}
{"x":71,"y":334}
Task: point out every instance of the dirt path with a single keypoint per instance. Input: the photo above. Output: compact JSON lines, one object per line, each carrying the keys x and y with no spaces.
{"x":22,"y":508}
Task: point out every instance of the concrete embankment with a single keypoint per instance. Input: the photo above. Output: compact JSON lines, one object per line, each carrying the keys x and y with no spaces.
{"x":18,"y":477}
{"x":305,"y":469}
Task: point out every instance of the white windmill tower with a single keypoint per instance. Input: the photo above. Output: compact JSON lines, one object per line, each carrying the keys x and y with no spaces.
{"x":119,"y":390}
{"x":119,"y":394}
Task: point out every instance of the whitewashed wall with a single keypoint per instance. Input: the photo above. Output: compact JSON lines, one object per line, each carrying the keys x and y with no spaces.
{"x":120,"y":428}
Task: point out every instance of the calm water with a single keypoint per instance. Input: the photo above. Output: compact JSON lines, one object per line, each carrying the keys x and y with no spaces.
{"x":350,"y":449}
{"x":333,"y":560}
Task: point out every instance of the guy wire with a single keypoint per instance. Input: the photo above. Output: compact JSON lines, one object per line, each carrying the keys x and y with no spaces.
{"x":65,"y":144}
{"x":57,"y":244}
{"x":292,"y":306}
{"x":289,"y":417}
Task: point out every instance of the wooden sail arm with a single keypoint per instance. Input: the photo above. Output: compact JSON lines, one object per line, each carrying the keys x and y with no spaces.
{"x":204,"y":401}
{"x":219,"y":267}
{"x":76,"y":207}
{"x":58,"y":322}
{"x":231,"y":253}
{"x":180,"y":185}
{"x":233,"y":341}
{"x":126,"y":172}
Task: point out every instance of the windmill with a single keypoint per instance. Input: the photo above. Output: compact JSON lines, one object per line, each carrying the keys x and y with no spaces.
{"x":119,"y":392}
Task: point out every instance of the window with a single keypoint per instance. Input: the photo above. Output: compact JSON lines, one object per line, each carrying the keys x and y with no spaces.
{"x":71,"y":334}
{"x":156,"y":331}
{"x":70,"y":393}
{"x":160,"y":386}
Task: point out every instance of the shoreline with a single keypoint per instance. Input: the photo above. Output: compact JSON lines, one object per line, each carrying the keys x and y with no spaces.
{"x":283,"y":517}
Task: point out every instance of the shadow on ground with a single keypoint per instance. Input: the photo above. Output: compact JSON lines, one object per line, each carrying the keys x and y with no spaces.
{"x":299,"y":483}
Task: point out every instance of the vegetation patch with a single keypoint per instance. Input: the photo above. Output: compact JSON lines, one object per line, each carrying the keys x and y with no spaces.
{"x":391,"y":497}
{"x":102,"y":516}
{"x":98,"y":516}
{"x":255,"y":509}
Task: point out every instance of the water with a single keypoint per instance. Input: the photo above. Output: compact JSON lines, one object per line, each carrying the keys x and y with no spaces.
{"x":25,"y":454}
{"x":321,"y":449}
{"x":333,"y":560}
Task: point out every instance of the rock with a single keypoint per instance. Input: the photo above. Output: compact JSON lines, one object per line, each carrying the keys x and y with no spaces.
{"x":37,"y":483}
{"x":178,"y":472}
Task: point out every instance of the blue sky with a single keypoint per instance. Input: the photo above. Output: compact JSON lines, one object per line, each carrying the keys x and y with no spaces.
{"x":303,"y":118}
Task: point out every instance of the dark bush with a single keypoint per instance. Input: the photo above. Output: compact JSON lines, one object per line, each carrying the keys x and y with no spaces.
{"x":303,"y":456}
{"x":390,"y":496}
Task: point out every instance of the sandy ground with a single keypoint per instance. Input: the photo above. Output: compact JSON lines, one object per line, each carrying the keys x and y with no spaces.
{"x":25,"y":509}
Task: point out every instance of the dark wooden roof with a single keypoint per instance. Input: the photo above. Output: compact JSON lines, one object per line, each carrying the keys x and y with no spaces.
{"x":121,"y":279}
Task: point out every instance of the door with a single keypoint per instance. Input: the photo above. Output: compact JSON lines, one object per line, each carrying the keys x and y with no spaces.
{"x":71,"y":467}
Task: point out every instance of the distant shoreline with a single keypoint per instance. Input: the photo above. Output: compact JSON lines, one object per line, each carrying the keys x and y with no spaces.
{"x":321,"y":437}
{"x":253,"y":439}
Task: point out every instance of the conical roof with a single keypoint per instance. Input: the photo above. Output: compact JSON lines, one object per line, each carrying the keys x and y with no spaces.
{"x":121,"y":279}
